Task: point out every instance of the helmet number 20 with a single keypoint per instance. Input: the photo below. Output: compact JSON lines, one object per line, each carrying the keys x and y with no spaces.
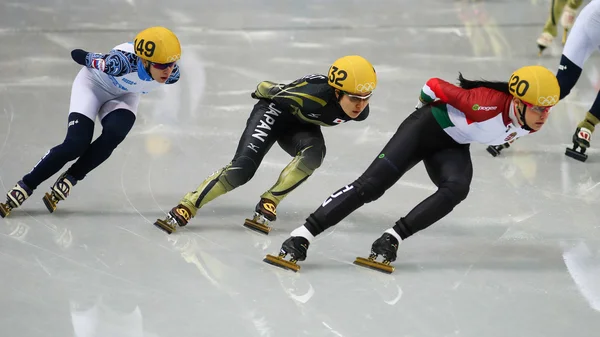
{"x":337,"y":75}
{"x":145,"y":48}
{"x":518,"y":86}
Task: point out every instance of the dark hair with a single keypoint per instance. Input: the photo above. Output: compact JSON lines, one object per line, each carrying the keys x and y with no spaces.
{"x":468,"y":84}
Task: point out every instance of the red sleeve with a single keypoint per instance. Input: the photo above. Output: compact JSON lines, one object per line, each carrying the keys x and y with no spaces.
{"x":477,"y":104}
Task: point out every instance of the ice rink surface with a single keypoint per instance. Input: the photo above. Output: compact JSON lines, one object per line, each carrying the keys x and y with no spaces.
{"x":519,"y":257}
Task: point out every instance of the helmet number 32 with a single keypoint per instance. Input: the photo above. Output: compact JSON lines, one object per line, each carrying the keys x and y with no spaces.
{"x":144,"y":47}
{"x":337,"y":75}
{"x":518,"y":86}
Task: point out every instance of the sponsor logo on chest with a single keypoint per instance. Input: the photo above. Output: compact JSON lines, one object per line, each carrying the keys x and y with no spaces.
{"x":477,"y":107}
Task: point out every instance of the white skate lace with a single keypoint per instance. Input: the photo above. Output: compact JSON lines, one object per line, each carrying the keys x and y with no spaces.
{"x":62,"y":190}
{"x":568,"y":17}
{"x":545,"y":39}
{"x":259,"y":218}
{"x":18,"y":195}
{"x":585,"y":136}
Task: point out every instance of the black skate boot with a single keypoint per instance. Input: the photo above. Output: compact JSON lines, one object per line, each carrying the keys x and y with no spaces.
{"x":494,"y":150}
{"x":296,"y":247}
{"x":387,"y":246}
{"x":581,"y":139}
{"x":178,"y":216}
{"x":59,"y":191}
{"x":263,"y":214}
{"x":15,"y":198}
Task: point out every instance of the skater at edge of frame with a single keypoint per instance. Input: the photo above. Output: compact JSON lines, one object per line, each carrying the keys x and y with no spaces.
{"x":109,"y":87}
{"x":566,"y":10}
{"x":448,"y":118}
{"x":291,"y":115}
{"x":583,"y":39}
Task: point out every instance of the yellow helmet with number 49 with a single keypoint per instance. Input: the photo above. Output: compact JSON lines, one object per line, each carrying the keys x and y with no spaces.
{"x":535,"y":85}
{"x":157,"y":45}
{"x":353,"y":74}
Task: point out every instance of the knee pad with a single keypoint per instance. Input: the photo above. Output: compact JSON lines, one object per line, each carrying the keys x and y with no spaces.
{"x":454,"y":190}
{"x":312,"y":157}
{"x":80,"y":132}
{"x":116,"y":125}
{"x":368,"y":189}
{"x":239,"y":172}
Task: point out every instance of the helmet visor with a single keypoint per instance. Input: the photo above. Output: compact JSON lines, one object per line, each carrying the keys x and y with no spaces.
{"x":537,"y":108}
{"x":358,"y":98}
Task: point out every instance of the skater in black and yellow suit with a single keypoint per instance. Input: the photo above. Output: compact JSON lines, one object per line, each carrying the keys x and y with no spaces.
{"x":291,"y":115}
{"x":563,"y":10}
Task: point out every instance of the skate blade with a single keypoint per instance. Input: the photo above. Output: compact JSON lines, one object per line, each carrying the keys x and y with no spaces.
{"x":4,"y":210}
{"x":281,"y":263}
{"x":382,"y":267}
{"x":255,"y":226}
{"x":541,"y":49}
{"x":491,"y":150}
{"x":576,"y":155}
{"x":164,"y":226}
{"x":50,"y":204}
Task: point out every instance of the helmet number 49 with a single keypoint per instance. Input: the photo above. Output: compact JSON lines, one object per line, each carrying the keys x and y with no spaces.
{"x":337,"y":75}
{"x":518,"y":86}
{"x":145,"y":47}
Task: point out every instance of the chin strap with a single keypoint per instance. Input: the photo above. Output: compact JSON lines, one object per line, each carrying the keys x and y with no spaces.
{"x":522,"y":115}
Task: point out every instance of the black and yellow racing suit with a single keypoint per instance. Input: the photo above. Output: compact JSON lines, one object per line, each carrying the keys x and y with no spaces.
{"x":291,"y":114}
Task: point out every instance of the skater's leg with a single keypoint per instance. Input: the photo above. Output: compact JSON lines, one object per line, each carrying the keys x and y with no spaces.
{"x":263,"y":127}
{"x":556,"y":9}
{"x":86,"y":101}
{"x":451,"y":170}
{"x":115,"y":127}
{"x":80,"y":131}
{"x":258,"y":137}
{"x":550,"y":30}
{"x":307,"y":145}
{"x":419,"y":133}
{"x":569,"y":13}
{"x":583,"y":40}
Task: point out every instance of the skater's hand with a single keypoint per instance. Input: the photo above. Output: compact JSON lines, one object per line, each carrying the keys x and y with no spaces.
{"x":79,"y":56}
{"x":420,"y":104}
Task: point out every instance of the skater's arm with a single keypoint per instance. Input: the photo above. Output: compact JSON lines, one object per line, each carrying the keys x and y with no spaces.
{"x":174,"y":75}
{"x":306,"y":94}
{"x":116,"y":63}
{"x":477,"y":104}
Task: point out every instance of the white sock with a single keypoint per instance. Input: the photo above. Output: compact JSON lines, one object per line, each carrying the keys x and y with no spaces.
{"x":393,"y":232}
{"x":303,"y":232}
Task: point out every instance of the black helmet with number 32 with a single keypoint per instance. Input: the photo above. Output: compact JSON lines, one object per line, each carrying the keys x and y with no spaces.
{"x":157,"y":45}
{"x":353,"y":74}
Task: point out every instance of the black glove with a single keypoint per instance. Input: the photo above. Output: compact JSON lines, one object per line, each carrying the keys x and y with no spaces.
{"x":79,"y":56}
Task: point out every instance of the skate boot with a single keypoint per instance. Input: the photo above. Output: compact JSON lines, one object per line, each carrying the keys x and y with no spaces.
{"x":494,"y":150}
{"x":59,"y":191}
{"x":544,"y":41}
{"x":387,"y":246}
{"x":567,"y":19}
{"x":178,"y":216}
{"x":264,"y":213}
{"x":15,"y":198}
{"x":581,"y":139}
{"x":296,"y":246}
